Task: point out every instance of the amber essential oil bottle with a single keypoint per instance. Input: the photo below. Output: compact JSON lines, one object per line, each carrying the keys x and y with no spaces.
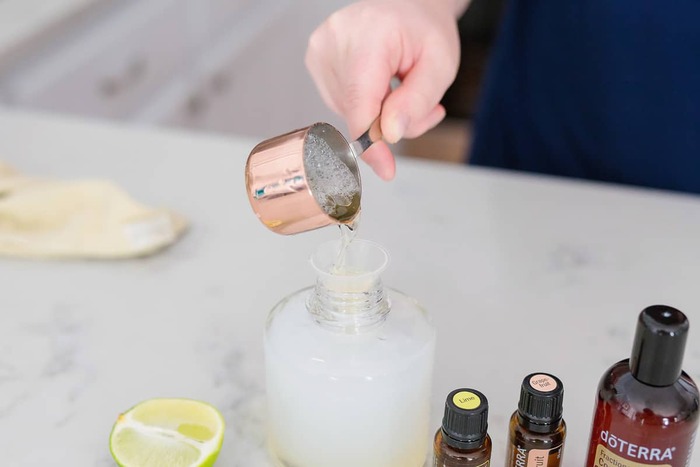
{"x":647,"y":410}
{"x":462,"y":440}
{"x":537,"y":430}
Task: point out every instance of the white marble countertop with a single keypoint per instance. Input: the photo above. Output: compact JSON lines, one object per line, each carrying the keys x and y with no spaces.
{"x":521,"y":273}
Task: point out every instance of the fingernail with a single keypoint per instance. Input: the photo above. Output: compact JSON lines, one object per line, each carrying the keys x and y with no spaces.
{"x":387,"y":174}
{"x":399,"y":126}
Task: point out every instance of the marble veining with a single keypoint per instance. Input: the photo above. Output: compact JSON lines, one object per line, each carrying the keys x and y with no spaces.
{"x":556,"y":288}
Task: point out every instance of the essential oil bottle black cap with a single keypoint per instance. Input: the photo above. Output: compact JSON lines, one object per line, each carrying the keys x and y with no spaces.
{"x":659,"y":344}
{"x":541,"y":399}
{"x":465,"y":422}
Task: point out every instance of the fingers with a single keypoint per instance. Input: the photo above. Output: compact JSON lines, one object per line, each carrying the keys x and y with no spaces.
{"x":414,"y":107}
{"x":352,"y":70}
{"x":364,"y":94}
{"x":429,"y":122}
{"x":381,"y":160}
{"x":379,"y":156}
{"x":355,"y":53}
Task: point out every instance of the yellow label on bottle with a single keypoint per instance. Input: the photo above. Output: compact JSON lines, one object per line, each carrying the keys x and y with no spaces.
{"x":466,"y":400}
{"x":606,"y":458}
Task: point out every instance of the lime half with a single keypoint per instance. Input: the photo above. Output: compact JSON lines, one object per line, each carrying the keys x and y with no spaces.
{"x":167,"y":433}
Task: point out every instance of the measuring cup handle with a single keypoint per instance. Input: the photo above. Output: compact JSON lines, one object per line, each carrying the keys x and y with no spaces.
{"x":371,"y":136}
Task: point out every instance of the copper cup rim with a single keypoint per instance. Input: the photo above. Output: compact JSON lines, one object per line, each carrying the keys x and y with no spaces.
{"x":350,"y":158}
{"x":316,"y":216}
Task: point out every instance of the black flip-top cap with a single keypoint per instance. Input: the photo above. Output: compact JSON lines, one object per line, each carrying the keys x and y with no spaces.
{"x":465,"y":422}
{"x":659,"y":344}
{"x":542,"y":400}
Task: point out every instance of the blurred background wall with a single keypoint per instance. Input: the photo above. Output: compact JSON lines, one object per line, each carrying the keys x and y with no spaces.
{"x":222,"y":66}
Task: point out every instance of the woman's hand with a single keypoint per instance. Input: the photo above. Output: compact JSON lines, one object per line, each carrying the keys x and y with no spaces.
{"x":355,"y":53}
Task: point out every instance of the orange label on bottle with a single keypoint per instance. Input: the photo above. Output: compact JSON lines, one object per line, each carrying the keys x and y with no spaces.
{"x":537,"y":458}
{"x":606,"y":458}
{"x":543,"y":383}
{"x":522,"y":457}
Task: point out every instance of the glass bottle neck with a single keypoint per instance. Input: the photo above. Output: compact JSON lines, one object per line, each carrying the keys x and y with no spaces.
{"x":349,"y":295}
{"x":348,"y":309}
{"x":538,"y":427}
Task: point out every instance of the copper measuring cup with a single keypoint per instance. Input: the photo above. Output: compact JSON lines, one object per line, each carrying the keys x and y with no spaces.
{"x":277,"y":183}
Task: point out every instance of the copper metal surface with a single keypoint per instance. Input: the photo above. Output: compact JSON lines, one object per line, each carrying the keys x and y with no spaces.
{"x":277,"y":184}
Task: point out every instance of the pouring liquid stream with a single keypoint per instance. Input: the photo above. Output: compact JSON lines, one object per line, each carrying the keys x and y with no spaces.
{"x":348,"y":232}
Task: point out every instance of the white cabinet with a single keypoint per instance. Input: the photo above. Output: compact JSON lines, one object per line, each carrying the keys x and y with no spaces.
{"x":220,"y":14}
{"x":233,"y":66}
{"x":111,"y":71}
{"x":261,"y":91}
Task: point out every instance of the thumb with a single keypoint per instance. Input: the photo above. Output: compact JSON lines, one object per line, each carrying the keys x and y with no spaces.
{"x":363,"y":97}
{"x":413,"y":102}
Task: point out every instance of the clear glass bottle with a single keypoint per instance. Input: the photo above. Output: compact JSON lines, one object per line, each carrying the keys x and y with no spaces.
{"x":349,"y":367}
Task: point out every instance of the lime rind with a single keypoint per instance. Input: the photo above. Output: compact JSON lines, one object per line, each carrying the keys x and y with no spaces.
{"x":168,"y":433}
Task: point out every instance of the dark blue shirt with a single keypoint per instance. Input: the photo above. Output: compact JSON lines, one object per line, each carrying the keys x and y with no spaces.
{"x":599,"y":89}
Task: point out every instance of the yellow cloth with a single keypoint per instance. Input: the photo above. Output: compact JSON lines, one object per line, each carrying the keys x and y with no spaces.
{"x":82,"y":219}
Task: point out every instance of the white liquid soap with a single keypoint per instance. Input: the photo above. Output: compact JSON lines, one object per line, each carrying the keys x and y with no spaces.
{"x":349,"y":368}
